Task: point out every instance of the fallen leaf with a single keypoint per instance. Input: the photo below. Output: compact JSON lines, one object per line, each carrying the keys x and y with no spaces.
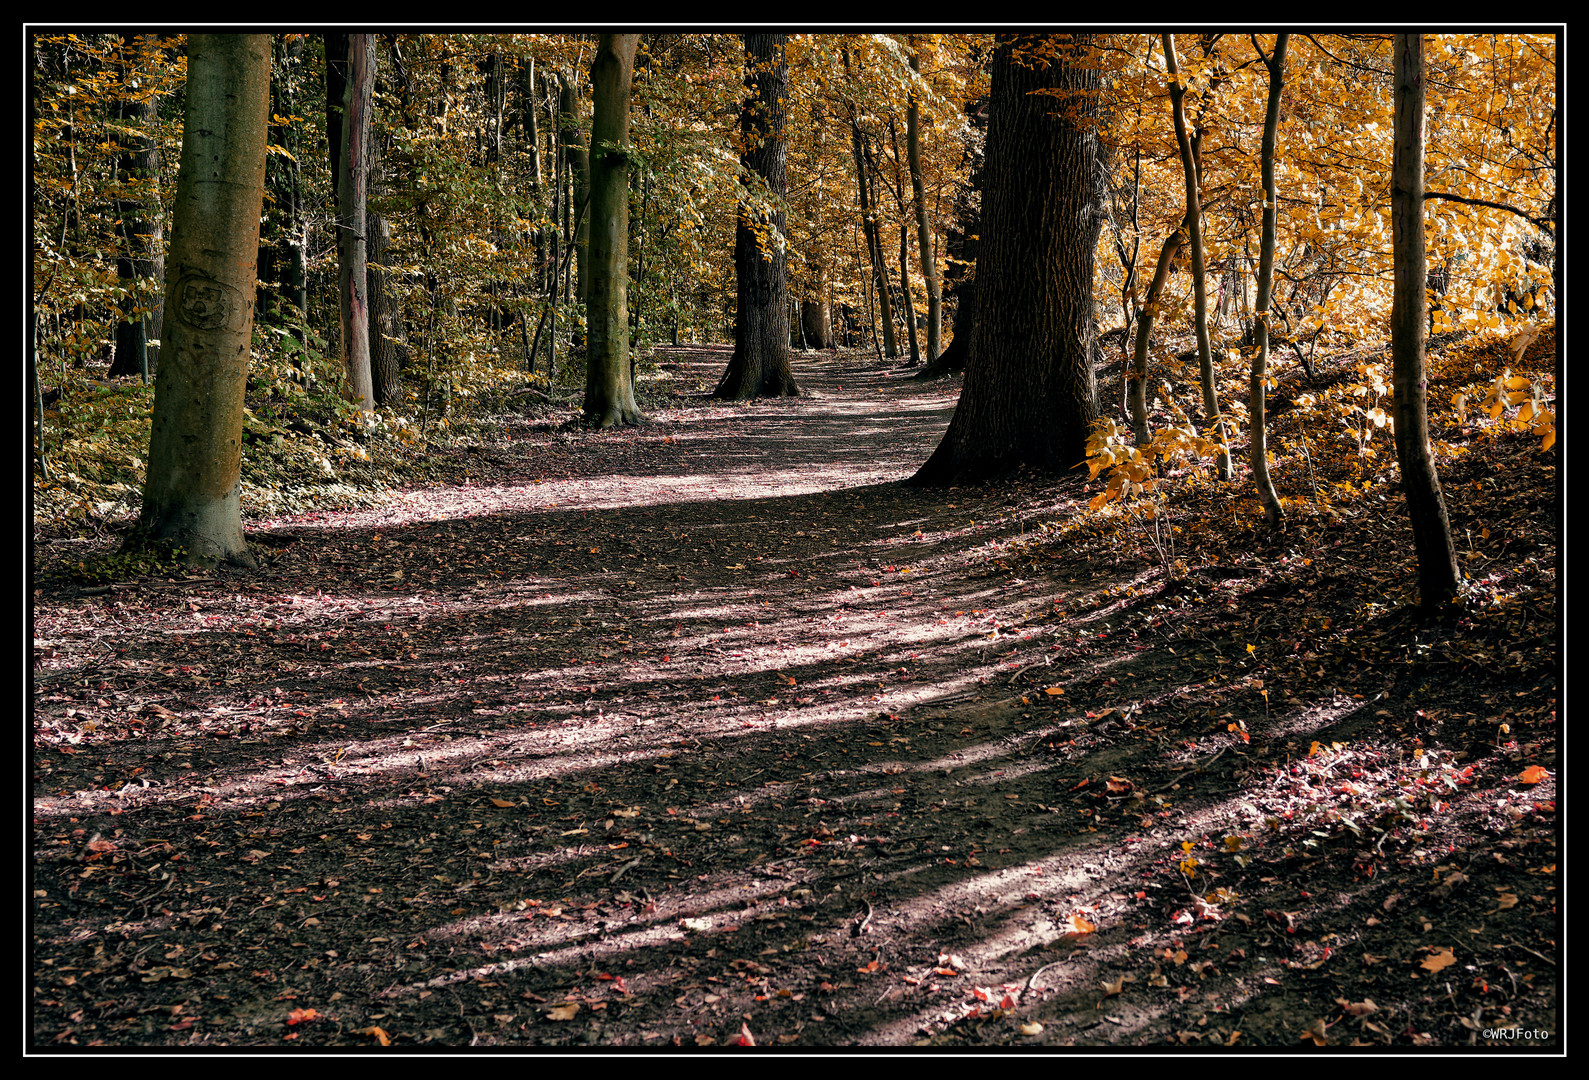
{"x":1033,"y":1028}
{"x":303,"y":1016}
{"x":1534,"y":774}
{"x":1439,"y":960}
{"x":563,"y":1012}
{"x":378,"y":1034}
{"x":1315,"y":1033}
{"x":745,"y":1037}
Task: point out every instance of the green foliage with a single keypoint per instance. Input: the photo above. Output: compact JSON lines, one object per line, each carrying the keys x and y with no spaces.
{"x":160,"y":558}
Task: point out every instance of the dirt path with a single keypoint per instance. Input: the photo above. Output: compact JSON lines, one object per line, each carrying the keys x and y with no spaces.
{"x":711,"y":732}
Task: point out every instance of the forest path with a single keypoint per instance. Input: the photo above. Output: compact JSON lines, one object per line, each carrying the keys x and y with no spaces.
{"x":710,"y":730}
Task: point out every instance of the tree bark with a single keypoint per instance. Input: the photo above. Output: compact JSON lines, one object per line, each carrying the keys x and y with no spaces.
{"x":388,"y":339}
{"x":609,"y":374}
{"x":1439,"y":577}
{"x":760,"y":364}
{"x":925,"y":256}
{"x":191,"y":493}
{"x":1259,"y":456}
{"x":1030,"y":392}
{"x":350,"y":79}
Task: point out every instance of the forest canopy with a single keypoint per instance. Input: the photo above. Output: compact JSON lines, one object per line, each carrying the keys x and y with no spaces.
{"x":479,"y":174}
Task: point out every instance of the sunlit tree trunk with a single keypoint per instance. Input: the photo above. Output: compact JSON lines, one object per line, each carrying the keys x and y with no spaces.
{"x":1194,"y":233}
{"x":191,"y":493}
{"x":1439,"y":577}
{"x":609,"y":378}
{"x":760,"y":364}
{"x":1030,"y":392}
{"x":1267,"y":497}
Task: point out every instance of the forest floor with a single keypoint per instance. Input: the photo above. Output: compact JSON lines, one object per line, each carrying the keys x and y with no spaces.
{"x":713,"y":733}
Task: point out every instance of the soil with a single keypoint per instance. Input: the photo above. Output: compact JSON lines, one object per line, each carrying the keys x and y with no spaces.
{"x":713,"y":733}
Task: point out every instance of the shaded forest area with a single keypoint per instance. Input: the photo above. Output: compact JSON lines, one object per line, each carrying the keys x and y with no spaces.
{"x":795,"y":540}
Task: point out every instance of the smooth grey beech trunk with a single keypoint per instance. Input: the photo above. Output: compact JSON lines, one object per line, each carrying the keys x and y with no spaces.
{"x":195,"y":443}
{"x":609,"y":375}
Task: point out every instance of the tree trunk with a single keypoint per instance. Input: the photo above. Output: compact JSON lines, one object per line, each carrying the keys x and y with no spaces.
{"x":817,"y":321}
{"x":387,"y":336}
{"x":1194,"y":232}
{"x":760,"y":364}
{"x":929,"y":264}
{"x":578,"y":158}
{"x":874,"y":243}
{"x":1030,"y":394}
{"x":141,"y":259}
{"x":1267,"y":498}
{"x":1138,"y":391}
{"x":1439,"y":577}
{"x":190,"y":493}
{"x":350,"y":78}
{"x":609,"y":375}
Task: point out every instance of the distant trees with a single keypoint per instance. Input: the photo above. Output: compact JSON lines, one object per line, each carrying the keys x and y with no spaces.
{"x":190,"y":497}
{"x":1029,"y":395}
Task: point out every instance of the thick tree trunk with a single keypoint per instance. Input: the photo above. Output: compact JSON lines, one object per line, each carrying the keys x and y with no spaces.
{"x":817,"y":320}
{"x":1030,"y":392}
{"x":1267,"y":498}
{"x":760,"y":364}
{"x":1439,"y":577}
{"x":609,"y":374}
{"x":190,"y":493}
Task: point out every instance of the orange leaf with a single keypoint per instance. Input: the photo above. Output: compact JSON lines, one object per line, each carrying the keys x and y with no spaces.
{"x":303,"y":1016}
{"x":376,"y":1033}
{"x":504,"y":803}
{"x":563,"y":1012}
{"x":1440,"y":960}
{"x":1533,"y":774}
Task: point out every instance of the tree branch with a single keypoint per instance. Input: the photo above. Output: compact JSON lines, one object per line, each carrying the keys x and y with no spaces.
{"x":1542,"y":222}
